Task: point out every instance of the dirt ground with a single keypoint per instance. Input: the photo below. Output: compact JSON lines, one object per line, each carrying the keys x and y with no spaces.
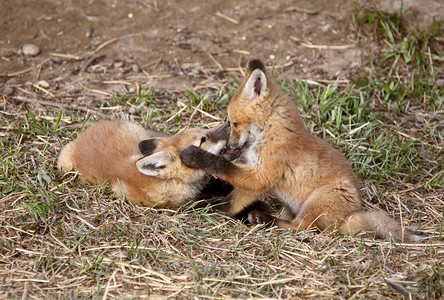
{"x":90,"y":50}
{"x":109,"y":46}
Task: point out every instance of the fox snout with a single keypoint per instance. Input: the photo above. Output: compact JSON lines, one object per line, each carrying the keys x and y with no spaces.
{"x":233,"y":149}
{"x":219,"y":133}
{"x":234,"y":143}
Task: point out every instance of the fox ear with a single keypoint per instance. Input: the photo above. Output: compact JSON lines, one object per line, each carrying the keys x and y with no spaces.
{"x":153,"y":164}
{"x":253,"y":64}
{"x":256,"y":80}
{"x":147,"y":147}
{"x":256,"y":85}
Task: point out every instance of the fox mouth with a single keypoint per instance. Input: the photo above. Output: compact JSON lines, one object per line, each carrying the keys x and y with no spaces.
{"x":232,"y":153}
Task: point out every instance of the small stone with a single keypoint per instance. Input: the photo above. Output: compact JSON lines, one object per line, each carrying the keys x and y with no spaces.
{"x":133,"y":110}
{"x":71,"y":88}
{"x":43,"y":84}
{"x":30,"y":50}
{"x":92,"y":18}
{"x":8,"y":91}
{"x":326,"y":28}
{"x":118,"y":64}
{"x":89,"y":32}
{"x":420,"y":117}
{"x":135,"y":68}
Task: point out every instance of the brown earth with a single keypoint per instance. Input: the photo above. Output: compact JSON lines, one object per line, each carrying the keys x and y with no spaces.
{"x":92,"y":49}
{"x":173,"y":46}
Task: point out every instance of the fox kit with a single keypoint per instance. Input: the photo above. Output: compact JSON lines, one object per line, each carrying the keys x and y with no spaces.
{"x":143,"y":164}
{"x":280,"y":158}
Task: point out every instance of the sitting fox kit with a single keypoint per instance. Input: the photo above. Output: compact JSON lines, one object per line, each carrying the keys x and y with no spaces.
{"x":142,"y":164}
{"x":281,"y":158}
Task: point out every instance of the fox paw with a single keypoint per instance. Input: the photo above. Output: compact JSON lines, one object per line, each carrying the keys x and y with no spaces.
{"x":194,"y":157}
{"x":260,"y":217}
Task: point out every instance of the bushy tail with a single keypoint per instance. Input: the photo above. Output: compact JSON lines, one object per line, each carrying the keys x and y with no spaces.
{"x":378,"y":225}
{"x":65,"y":161}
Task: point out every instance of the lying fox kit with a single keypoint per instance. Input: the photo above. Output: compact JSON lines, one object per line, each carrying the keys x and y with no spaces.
{"x":280,"y":158}
{"x":142,"y":164}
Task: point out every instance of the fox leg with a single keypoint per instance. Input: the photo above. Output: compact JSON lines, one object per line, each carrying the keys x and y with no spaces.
{"x":322,"y":208}
{"x":305,"y":219}
{"x":310,"y":213}
{"x":327,"y":205}
{"x":287,"y":214}
{"x":238,"y":204}
{"x":264,"y":217}
{"x":254,"y":179}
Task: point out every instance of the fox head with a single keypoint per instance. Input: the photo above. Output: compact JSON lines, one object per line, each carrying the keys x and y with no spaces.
{"x":248,"y":109}
{"x":162,"y":155}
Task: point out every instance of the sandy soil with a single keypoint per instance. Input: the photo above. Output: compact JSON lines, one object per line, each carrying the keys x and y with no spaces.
{"x":89,"y":50}
{"x":175,"y":45}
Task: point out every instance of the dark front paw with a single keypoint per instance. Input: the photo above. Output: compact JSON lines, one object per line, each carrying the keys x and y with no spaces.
{"x":260,"y":217}
{"x":194,"y":157}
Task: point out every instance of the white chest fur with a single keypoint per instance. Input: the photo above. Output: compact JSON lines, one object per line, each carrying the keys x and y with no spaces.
{"x":255,"y":141}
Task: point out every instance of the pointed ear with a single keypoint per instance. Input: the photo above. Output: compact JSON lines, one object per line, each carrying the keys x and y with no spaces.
{"x":256,"y":85}
{"x":147,"y":147}
{"x":253,"y":64}
{"x":153,"y":164}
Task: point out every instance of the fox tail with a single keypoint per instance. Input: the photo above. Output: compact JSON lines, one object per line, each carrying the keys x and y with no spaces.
{"x":65,"y":161}
{"x":379,"y":225}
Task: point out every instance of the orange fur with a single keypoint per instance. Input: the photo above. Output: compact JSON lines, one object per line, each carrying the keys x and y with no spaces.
{"x":109,"y":151}
{"x":281,"y":158}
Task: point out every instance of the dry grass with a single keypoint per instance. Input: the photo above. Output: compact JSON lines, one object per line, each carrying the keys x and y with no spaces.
{"x":64,"y":239}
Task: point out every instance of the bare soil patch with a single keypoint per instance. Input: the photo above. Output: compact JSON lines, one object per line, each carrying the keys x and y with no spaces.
{"x":63,"y":239}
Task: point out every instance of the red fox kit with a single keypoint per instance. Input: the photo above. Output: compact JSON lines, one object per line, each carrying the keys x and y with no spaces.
{"x":280,"y":158}
{"x":109,"y":151}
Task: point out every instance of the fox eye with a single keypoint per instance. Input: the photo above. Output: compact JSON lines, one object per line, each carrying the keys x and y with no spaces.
{"x":203,"y":140}
{"x":235,"y":125}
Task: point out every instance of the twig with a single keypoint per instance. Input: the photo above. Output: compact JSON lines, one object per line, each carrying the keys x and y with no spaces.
{"x":194,"y":111}
{"x":301,"y":10}
{"x":176,"y":114}
{"x":20,"y":72}
{"x":62,"y":105}
{"x":25,"y":292}
{"x":230,"y":19}
{"x":66,"y":56}
{"x":91,"y":60}
{"x":215,"y":61}
{"x":163,"y":278}
{"x":124,"y":82}
{"x":327,"y":47}
{"x":240,"y":51}
{"x":95,"y":91}
{"x":309,"y":81}
{"x":105,"y":295}
{"x":239,"y":63}
{"x":113,"y":40}
{"x":44,"y":90}
{"x":416,"y":140}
